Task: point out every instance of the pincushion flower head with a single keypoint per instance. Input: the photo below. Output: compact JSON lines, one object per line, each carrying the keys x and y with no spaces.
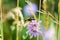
{"x":33,"y":7}
{"x":34,"y":28}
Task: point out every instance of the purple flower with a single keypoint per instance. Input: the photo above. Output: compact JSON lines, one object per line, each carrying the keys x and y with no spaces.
{"x":27,"y":8}
{"x":50,"y":34}
{"x":34,"y":28}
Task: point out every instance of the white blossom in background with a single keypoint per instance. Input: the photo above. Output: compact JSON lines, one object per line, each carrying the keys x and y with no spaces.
{"x":44,"y":0}
{"x":12,"y":28}
{"x":12,"y":14}
{"x":0,"y":38}
{"x":18,"y":10}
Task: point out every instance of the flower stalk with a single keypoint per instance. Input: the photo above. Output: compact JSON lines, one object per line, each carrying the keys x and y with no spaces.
{"x":59,"y":20}
{"x":39,"y":15}
{"x":17,"y":20}
{"x":1,"y":21}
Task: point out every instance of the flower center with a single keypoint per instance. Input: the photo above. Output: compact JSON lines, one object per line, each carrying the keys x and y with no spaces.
{"x":33,"y":30}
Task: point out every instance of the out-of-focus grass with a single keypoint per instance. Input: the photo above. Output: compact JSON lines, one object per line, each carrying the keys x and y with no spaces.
{"x":59,"y":20}
{"x":0,"y":28}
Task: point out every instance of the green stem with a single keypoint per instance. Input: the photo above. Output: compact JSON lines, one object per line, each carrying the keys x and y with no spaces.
{"x":39,"y":14}
{"x":17,"y":20}
{"x":39,"y":8}
{"x":59,"y":20}
{"x":1,"y":21}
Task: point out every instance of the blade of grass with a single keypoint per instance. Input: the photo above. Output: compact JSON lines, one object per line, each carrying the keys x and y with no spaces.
{"x":1,"y":21}
{"x":59,"y":20}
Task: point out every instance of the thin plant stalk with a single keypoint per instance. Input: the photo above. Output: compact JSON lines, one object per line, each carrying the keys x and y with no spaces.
{"x":1,"y":21}
{"x":17,"y":26}
{"x":56,"y":28}
{"x":45,"y":8}
{"x":50,"y":15}
{"x":39,"y":8}
{"x":17,"y":3}
{"x":17,"y":20}
{"x":39,"y":15}
{"x":47,"y":19}
{"x":59,"y":20}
